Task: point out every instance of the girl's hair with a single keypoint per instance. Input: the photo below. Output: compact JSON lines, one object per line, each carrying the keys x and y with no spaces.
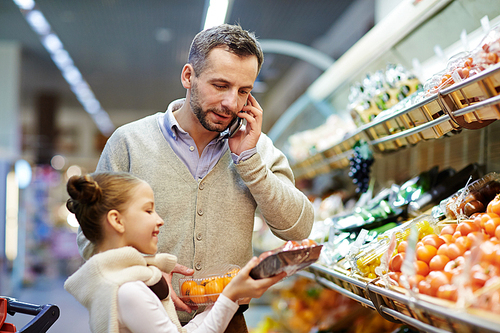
{"x":237,"y":40}
{"x":92,"y":196}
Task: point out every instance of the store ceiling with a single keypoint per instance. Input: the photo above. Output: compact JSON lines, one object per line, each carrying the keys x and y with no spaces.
{"x":131,"y":52}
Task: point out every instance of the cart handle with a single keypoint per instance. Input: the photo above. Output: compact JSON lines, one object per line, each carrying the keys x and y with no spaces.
{"x":45,"y":315}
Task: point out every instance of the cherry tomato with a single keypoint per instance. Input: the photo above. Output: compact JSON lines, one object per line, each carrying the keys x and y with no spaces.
{"x":214,"y":288}
{"x":394,"y":276}
{"x":433,"y":240}
{"x":187,"y":286}
{"x":415,"y":280}
{"x":455,"y":250}
{"x":487,"y":252}
{"x":197,"y":294}
{"x":466,"y":227}
{"x":482,"y":218}
{"x":491,"y":225}
{"x":426,"y":252}
{"x":438,"y":262}
{"x":477,"y":237}
{"x":494,"y":205}
{"x":424,"y":287}
{"x":443,"y":249}
{"x":455,"y":266}
{"x":448,"y":229}
{"x":402,"y":246}
{"x":447,"y":238}
{"x":421,"y":267}
{"x":437,"y":279}
{"x":447,"y":291}
{"x":456,"y":234}
{"x":308,"y":242}
{"x":396,"y":262}
{"x":466,"y":242}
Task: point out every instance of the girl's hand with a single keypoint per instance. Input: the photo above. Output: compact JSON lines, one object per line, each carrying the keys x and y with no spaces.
{"x":179,"y":304}
{"x":243,"y":286}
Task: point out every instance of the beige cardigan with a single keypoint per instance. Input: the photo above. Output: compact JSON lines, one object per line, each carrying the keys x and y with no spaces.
{"x":95,"y":285}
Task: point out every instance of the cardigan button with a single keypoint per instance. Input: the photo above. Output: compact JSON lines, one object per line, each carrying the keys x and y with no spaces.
{"x":199,"y":236}
{"x":201,"y":186}
{"x":198,"y":266}
{"x":200,"y":212}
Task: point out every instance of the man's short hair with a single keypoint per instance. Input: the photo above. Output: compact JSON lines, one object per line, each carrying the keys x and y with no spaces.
{"x":237,"y":41}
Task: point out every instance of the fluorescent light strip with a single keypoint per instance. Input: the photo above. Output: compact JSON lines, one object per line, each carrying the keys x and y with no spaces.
{"x":216,"y":13}
{"x":63,"y":61}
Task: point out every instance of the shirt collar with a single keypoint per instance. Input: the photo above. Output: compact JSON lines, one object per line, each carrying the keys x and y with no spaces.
{"x":170,"y":123}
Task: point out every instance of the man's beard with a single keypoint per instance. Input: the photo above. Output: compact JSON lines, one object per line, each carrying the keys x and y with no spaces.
{"x":195,"y":104}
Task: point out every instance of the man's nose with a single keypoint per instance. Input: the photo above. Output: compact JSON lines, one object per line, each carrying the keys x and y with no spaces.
{"x":230,"y":100}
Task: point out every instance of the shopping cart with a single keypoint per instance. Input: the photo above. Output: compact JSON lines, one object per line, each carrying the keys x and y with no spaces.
{"x":45,"y":315}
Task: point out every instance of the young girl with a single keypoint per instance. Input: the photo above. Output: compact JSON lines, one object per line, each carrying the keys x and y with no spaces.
{"x":116,"y":212}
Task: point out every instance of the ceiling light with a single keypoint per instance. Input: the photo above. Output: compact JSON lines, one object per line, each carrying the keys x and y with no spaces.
{"x":216,"y":13}
{"x":38,"y":22}
{"x":25,"y":4}
{"x":63,"y":61}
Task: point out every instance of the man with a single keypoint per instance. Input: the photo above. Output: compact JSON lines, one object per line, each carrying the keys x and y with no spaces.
{"x":208,"y":184}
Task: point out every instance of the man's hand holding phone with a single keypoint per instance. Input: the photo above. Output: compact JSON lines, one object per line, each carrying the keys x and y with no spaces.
{"x":247,"y":137}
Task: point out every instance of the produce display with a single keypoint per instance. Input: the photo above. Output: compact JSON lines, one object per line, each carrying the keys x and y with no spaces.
{"x":450,"y":258}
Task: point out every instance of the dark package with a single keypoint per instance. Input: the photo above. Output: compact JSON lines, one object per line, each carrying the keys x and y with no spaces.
{"x":289,"y":258}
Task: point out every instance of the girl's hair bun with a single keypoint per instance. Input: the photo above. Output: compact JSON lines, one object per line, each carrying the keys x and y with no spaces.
{"x":83,"y":190}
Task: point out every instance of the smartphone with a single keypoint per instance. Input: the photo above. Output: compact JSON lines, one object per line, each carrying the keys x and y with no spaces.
{"x":234,"y":127}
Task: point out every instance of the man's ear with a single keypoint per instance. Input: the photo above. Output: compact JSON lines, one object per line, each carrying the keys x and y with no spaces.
{"x":187,"y":75}
{"x":115,"y":221}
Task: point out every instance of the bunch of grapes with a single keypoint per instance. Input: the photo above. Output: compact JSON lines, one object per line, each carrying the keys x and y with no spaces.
{"x":361,"y":162}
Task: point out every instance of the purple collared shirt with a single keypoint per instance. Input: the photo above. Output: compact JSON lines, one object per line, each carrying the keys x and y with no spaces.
{"x":185,"y":148}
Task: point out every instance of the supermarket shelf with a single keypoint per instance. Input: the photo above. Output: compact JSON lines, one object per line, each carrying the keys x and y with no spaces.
{"x":395,"y":306}
{"x":430,"y":118}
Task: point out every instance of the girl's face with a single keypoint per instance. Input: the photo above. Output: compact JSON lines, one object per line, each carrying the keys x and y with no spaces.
{"x":142,"y":223}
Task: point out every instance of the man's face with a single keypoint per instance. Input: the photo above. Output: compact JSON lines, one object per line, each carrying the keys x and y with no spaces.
{"x":222,"y":89}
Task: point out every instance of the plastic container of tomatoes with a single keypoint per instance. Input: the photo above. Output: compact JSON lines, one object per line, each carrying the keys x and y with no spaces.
{"x":206,"y":289}
{"x":290,"y":258}
{"x":473,"y":198}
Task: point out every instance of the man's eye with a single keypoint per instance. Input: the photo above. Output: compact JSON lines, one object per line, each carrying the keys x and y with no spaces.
{"x":218,"y":86}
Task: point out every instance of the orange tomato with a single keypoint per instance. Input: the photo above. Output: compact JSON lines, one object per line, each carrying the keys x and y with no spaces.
{"x":187,"y":286}
{"x":448,"y":229}
{"x":455,"y":250}
{"x":396,"y":262}
{"x":447,"y":291}
{"x":466,"y":242}
{"x":494,"y":205}
{"x":426,"y":252}
{"x":308,"y":242}
{"x":438,"y":262}
{"x":421,"y":267}
{"x":424,"y":287}
{"x":466,"y":227}
{"x":455,"y":267}
{"x":415,"y":280}
{"x":197,"y":294}
{"x":402,"y":246}
{"x":214,"y":288}
{"x":394,"y":276}
{"x":433,"y":240}
{"x":491,"y":225}
{"x":477,"y":237}
{"x":497,"y":232}
{"x":437,"y":279}
{"x":447,"y":238}
{"x":443,"y":249}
